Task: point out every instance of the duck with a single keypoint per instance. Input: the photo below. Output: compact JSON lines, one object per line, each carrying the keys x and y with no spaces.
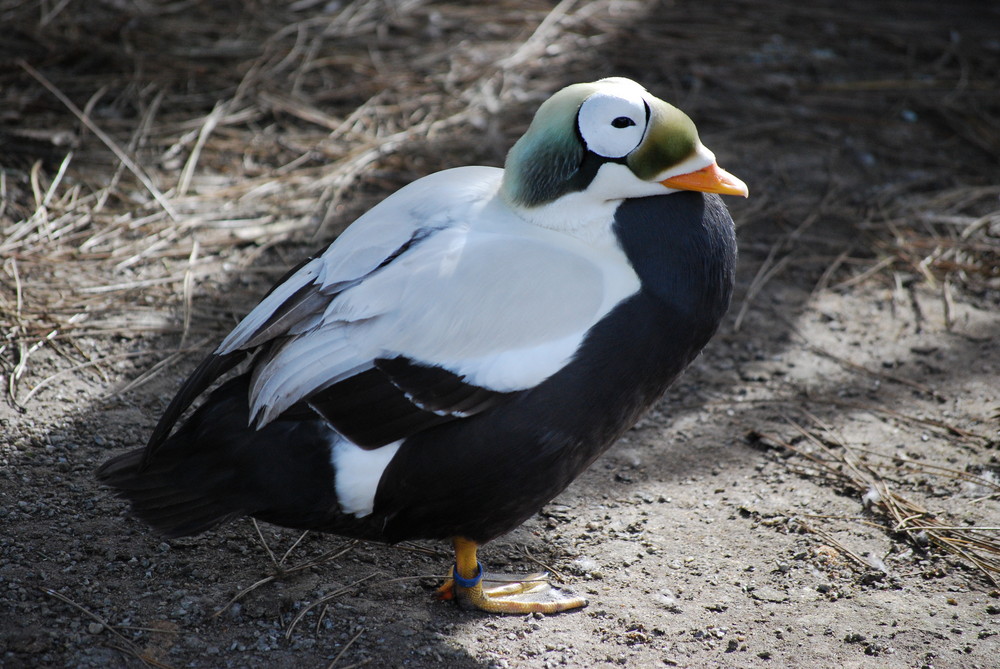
{"x":464,"y":350}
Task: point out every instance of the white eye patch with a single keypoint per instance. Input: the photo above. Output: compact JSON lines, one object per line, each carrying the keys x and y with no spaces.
{"x":612,"y":124}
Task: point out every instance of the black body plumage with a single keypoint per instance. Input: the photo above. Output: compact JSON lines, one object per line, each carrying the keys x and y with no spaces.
{"x":478,"y":475}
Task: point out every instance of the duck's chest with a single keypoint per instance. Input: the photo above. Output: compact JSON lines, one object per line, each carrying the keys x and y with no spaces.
{"x":483,"y":476}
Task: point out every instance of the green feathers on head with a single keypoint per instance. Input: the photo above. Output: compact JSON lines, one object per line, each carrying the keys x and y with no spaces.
{"x":541,"y":163}
{"x":672,"y":138}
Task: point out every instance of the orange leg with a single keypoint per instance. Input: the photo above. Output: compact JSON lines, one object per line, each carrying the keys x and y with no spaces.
{"x":527,"y":596}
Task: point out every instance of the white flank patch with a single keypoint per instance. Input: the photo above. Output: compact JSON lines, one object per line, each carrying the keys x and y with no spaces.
{"x":357,"y":473}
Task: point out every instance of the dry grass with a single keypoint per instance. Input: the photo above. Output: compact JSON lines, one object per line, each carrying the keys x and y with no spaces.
{"x":879,"y":480}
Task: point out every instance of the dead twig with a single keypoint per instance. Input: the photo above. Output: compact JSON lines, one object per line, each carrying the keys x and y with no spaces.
{"x":104,"y":137}
{"x":285,"y":572}
{"x":127,"y":645}
{"x":977,"y":545}
{"x":323,"y":600}
{"x":343,"y":650}
{"x":559,"y":576}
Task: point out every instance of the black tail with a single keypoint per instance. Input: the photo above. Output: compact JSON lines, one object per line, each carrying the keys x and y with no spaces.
{"x":216,"y":467}
{"x":210,"y":370}
{"x":157,"y":498}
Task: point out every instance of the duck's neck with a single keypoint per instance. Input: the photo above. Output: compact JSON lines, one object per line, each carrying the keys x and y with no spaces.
{"x":683,"y":248}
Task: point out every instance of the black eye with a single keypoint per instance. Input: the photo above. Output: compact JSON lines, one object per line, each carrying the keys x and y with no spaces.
{"x":622,"y":122}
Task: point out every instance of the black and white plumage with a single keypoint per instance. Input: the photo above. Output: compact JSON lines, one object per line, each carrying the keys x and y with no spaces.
{"x":466,"y":348}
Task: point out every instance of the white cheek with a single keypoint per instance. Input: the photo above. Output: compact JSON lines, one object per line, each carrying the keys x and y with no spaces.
{"x":615,"y":182}
{"x":614,"y":142}
{"x":596,"y":118}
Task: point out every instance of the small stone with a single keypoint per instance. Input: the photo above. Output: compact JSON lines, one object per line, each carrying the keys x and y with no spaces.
{"x":768,"y":594}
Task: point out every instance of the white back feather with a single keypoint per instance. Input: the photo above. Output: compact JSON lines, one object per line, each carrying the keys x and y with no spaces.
{"x":482,"y":293}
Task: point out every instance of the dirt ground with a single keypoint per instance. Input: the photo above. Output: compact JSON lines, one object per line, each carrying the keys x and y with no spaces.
{"x":724,"y":530}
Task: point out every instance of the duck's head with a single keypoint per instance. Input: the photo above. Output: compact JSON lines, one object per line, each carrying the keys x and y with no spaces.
{"x":592,"y":145}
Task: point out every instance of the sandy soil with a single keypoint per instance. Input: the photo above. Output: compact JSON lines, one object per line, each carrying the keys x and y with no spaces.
{"x":688,"y":537}
{"x":699,"y":540}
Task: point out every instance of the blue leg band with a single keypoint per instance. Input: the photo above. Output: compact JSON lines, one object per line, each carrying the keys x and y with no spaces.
{"x":468,"y":582}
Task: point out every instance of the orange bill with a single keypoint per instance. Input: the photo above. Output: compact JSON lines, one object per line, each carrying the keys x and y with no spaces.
{"x":712,"y":179}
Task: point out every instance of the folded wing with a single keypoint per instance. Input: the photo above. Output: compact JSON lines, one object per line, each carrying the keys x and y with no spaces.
{"x":418,"y":314}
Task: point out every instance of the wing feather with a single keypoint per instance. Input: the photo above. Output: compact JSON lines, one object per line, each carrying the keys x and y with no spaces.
{"x":295,"y":305}
{"x":504,"y":311}
{"x":435,"y":305}
{"x":396,"y":399}
{"x":280,"y":308}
